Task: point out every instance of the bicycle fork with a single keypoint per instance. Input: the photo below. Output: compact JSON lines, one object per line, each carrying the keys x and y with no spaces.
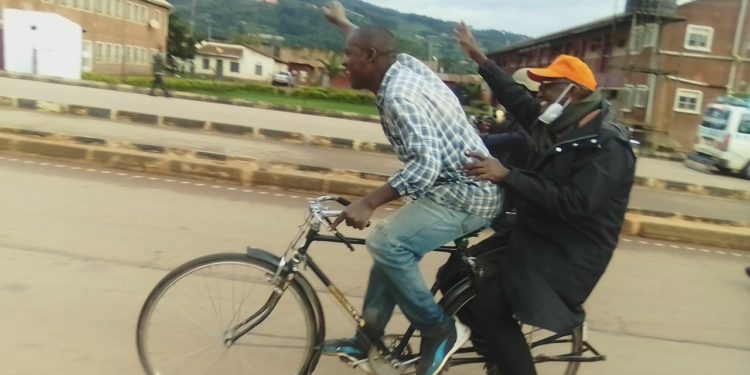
{"x":281,"y":284}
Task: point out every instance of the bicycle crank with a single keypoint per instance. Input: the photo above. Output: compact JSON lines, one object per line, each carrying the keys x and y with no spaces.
{"x":382,"y":365}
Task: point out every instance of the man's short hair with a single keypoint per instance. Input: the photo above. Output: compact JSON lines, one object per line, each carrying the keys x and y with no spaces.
{"x":377,"y":38}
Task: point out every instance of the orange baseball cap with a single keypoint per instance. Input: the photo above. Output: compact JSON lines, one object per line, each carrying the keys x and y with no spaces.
{"x":569,"y":67}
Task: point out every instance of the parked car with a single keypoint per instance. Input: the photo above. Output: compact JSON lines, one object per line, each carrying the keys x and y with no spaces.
{"x":724,"y":137}
{"x":283,"y":79}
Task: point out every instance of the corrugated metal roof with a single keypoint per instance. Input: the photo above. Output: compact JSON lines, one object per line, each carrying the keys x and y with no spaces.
{"x":605,"y":22}
{"x":235,"y":53}
{"x":161,"y":3}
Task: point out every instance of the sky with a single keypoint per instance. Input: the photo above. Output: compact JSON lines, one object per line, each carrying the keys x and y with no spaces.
{"x":529,"y":17}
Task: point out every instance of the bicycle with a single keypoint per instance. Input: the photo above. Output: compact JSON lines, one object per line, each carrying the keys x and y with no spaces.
{"x":246,"y":337}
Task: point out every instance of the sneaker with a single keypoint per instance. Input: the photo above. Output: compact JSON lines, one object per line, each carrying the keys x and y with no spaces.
{"x":437,"y":350}
{"x":349,"y":351}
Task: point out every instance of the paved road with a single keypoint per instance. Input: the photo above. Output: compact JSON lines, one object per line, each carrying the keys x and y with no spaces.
{"x":364,"y":131}
{"x":82,"y":247}
{"x":360,"y":161}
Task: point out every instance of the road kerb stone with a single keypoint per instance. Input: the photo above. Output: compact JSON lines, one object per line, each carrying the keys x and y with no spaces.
{"x":290,"y":179}
{"x":209,"y":170}
{"x":184,"y":123}
{"x":50,"y":107}
{"x":52,"y":149}
{"x":7,"y":101}
{"x":137,"y":117}
{"x":691,"y":232}
{"x":130,"y":160}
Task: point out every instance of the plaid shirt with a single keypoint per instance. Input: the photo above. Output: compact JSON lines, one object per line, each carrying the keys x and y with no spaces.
{"x":427,"y":127}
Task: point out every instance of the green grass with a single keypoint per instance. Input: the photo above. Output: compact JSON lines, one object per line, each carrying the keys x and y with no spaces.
{"x":325,"y":105}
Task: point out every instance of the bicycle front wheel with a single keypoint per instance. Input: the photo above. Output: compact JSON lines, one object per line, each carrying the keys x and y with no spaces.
{"x":185,"y":321}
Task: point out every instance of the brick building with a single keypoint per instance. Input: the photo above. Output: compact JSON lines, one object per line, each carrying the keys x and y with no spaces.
{"x":659,"y":62}
{"x":120,"y":36}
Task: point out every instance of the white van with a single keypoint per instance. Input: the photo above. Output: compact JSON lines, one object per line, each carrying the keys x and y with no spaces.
{"x":724,"y":137}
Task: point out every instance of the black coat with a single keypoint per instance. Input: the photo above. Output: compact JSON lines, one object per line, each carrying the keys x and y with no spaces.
{"x":571,"y":202}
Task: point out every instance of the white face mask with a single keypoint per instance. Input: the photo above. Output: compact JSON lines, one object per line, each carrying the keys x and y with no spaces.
{"x":554,"y":110}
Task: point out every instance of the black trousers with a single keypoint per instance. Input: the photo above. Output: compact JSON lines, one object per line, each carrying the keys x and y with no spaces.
{"x":496,"y":334}
{"x":159,"y":83}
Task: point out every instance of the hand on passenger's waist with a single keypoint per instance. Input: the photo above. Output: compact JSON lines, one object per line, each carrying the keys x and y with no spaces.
{"x":486,"y":168}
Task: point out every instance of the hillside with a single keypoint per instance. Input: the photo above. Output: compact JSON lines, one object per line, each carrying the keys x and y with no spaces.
{"x":302,"y":25}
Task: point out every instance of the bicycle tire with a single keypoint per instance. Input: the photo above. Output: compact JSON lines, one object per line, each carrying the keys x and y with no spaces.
{"x":274,"y":342}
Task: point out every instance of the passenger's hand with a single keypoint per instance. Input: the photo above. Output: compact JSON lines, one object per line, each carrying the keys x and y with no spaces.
{"x":357,"y":215}
{"x":335,"y":13}
{"x":486,"y":168}
{"x":462,"y":34}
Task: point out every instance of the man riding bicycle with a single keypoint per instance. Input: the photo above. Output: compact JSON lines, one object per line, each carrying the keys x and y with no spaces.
{"x":426,"y":125}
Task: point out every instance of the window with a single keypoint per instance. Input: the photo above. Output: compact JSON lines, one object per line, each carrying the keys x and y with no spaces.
{"x":627,"y":98}
{"x":66,"y":3}
{"x":688,"y":101}
{"x":130,"y":11}
{"x":120,"y":8}
{"x":86,"y":56}
{"x":117,"y":53}
{"x":699,"y":38}
{"x":744,"y":127}
{"x":640,"y":96}
{"x":99,"y":52}
{"x":258,"y":70}
{"x":158,"y":17}
{"x":206,"y":64}
{"x":234,"y":67}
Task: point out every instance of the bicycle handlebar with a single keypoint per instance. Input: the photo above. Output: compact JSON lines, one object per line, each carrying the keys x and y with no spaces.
{"x":323,"y":215}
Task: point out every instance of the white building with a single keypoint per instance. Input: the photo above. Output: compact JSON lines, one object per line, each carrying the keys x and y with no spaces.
{"x":41,"y":43}
{"x":236,"y":61}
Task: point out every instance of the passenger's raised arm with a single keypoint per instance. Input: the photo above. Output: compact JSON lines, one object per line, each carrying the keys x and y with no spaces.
{"x":336,"y":14}
{"x":462,"y":34}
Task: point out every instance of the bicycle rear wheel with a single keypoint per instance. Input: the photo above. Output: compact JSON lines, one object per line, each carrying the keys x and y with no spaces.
{"x":187,"y":317}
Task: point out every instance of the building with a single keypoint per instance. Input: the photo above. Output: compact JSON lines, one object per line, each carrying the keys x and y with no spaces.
{"x":236,"y":61}
{"x":659,"y":63}
{"x":119,"y":36}
{"x":41,"y":43}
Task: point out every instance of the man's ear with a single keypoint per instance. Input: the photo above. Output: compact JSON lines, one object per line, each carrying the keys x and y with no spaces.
{"x":372,"y":54}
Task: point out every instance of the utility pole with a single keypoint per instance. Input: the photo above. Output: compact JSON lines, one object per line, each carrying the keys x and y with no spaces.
{"x":192,"y":17}
{"x":209,"y":23}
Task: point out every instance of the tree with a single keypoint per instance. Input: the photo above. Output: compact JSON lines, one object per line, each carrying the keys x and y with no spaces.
{"x":180,"y":43}
{"x":332,"y":68}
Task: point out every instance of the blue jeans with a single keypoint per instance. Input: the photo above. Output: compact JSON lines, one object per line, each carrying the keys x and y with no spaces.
{"x":397,"y":244}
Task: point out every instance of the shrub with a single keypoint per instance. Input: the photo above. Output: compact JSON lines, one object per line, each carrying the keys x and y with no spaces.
{"x":224,"y":87}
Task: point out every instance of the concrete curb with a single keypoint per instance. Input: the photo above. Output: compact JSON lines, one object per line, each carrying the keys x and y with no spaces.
{"x":687,"y":232}
{"x":243,"y":131}
{"x":192,"y":96}
{"x":251,"y":172}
